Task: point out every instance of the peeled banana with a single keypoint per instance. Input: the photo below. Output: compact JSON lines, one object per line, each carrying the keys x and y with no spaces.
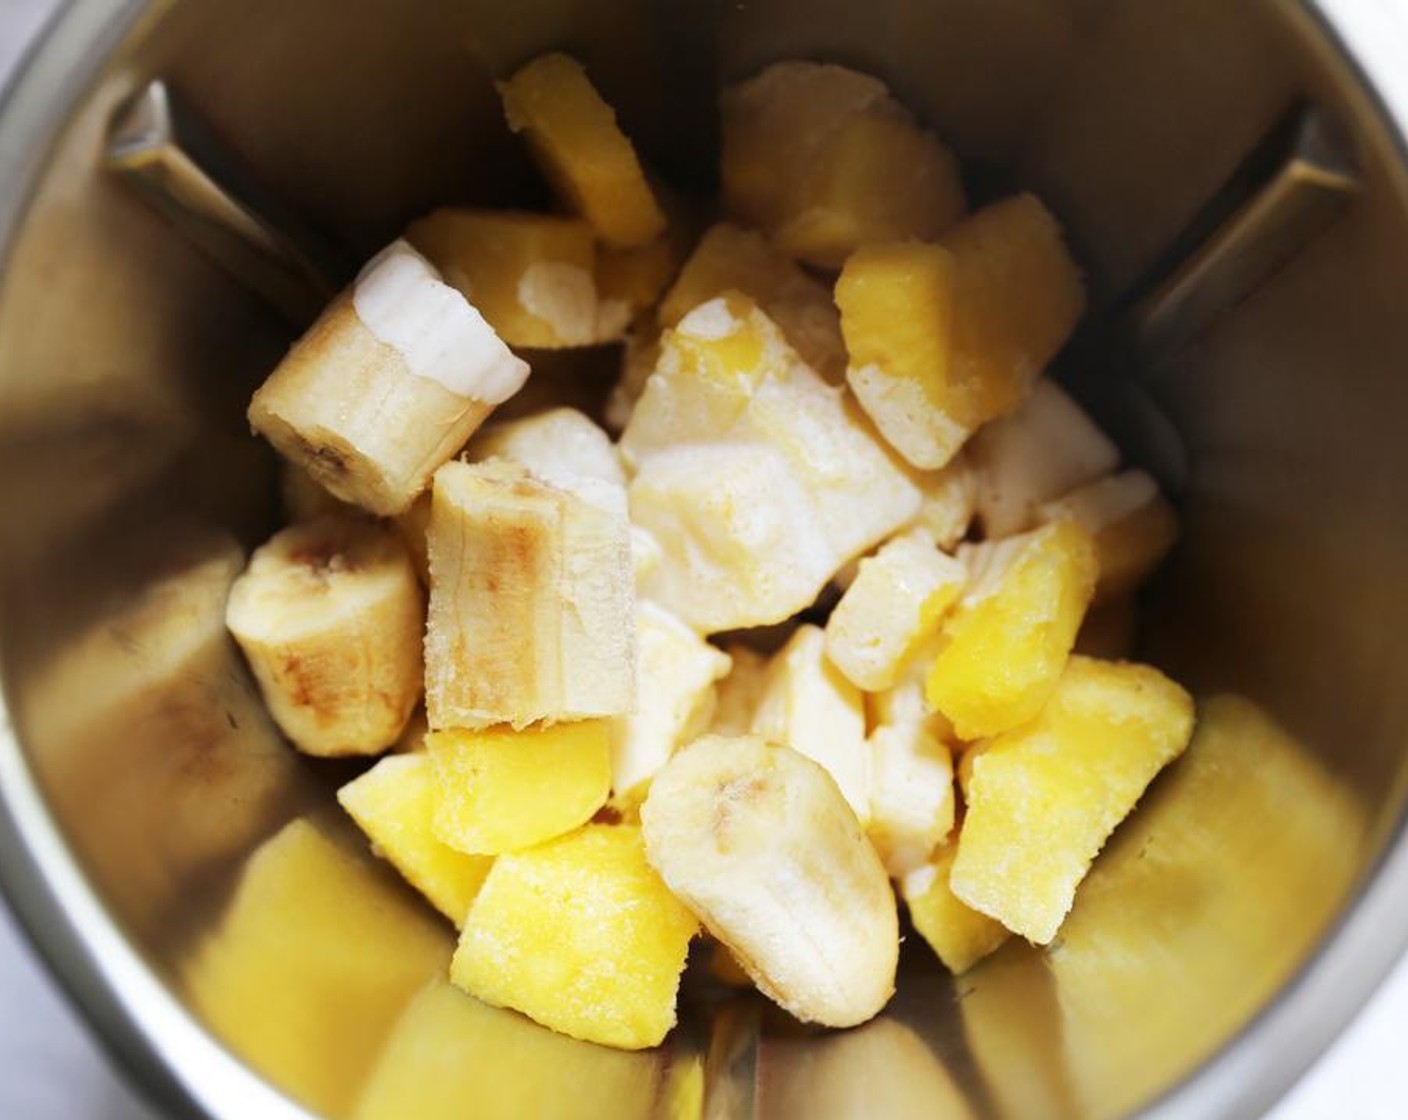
{"x":329,"y":615}
{"x":532,"y":602}
{"x":757,"y":840}
{"x":388,"y":384}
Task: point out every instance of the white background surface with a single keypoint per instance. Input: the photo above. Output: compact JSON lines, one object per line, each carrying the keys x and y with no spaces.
{"x":51,"y":1070}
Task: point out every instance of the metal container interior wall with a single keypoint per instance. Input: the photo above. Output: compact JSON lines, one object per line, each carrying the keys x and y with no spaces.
{"x":1229,"y":929}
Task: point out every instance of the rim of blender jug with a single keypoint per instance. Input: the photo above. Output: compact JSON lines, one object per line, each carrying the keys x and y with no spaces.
{"x":183,"y":1070}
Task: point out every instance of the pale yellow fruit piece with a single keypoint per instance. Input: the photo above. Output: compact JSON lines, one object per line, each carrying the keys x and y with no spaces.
{"x":675,"y":674}
{"x":499,"y":790}
{"x":1133,"y":525}
{"x":810,"y":706}
{"x":329,"y":616}
{"x":757,"y":840}
{"x":389,"y":383}
{"x":394,"y":804}
{"x":646,"y":553}
{"x":559,"y":445}
{"x":315,"y":957}
{"x":903,"y":703}
{"x":1043,"y":799}
{"x":1018,"y":296}
{"x":532,"y":276}
{"x":532,"y":602}
{"x":580,"y":935}
{"x":911,"y":796}
{"x":958,"y":934}
{"x":1012,"y":631}
{"x":740,"y":692}
{"x":452,"y":1056}
{"x":731,"y":258}
{"x":739,"y":542}
{"x":899,"y":595}
{"x":897,"y":306}
{"x":727,"y":379}
{"x":581,"y":149}
{"x":827,"y":161}
{"x":635,"y":279}
{"x":949,"y":500}
{"x":1045,"y":449}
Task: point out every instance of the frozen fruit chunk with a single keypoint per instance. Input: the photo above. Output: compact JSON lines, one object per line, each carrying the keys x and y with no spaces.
{"x":958,"y":934}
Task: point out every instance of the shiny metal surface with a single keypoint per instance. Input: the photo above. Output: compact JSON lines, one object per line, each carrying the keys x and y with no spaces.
{"x":1195,"y":977}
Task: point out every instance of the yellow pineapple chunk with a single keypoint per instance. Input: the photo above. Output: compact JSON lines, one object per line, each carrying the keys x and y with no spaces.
{"x":675,"y":674}
{"x":1013,"y":629}
{"x":581,"y":936}
{"x":740,"y":692}
{"x":316,"y":956}
{"x":633,"y":280}
{"x":1133,"y":525}
{"x":581,"y":149}
{"x":1045,"y":449}
{"x":451,"y":1057}
{"x":897,"y":306}
{"x":899,"y":596}
{"x":1043,"y":799}
{"x":1018,"y":296}
{"x":500,"y":790}
{"x":958,"y":934}
{"x":730,"y":258}
{"x":911,"y":797}
{"x":532,"y":276}
{"x":808,"y":705}
{"x":825,"y":160}
{"x":394,"y":804}
{"x":757,"y":480}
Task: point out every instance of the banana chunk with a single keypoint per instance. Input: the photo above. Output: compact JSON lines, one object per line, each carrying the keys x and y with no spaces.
{"x":1045,"y":449}
{"x":675,"y":698}
{"x":388,"y":384}
{"x":532,"y":602}
{"x":757,"y":840}
{"x":329,"y":615}
{"x":911,"y":799}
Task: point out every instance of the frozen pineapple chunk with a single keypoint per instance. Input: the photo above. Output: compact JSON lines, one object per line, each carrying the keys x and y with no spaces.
{"x":1043,"y":799}
{"x":958,"y":934}
{"x":532,"y":602}
{"x":808,"y":705}
{"x":1133,"y":525}
{"x":1045,"y":449}
{"x":739,"y":543}
{"x":1018,"y":296}
{"x":898,"y":597}
{"x":1013,"y":629}
{"x":580,"y":935}
{"x":317,"y":954}
{"x":825,"y":160}
{"x":559,"y":445}
{"x":911,"y":798}
{"x":949,"y":500}
{"x":500,"y":790}
{"x":727,"y":382}
{"x":675,"y":675}
{"x":730,"y":258}
{"x":532,"y":276}
{"x":394,"y":804}
{"x":897,"y":306}
{"x":740,"y":692}
{"x":581,"y":149}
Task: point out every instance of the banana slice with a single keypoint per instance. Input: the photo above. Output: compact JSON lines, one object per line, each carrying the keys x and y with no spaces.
{"x":329,"y":615}
{"x":388,"y":384}
{"x":757,"y":840}
{"x":532,"y":601}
